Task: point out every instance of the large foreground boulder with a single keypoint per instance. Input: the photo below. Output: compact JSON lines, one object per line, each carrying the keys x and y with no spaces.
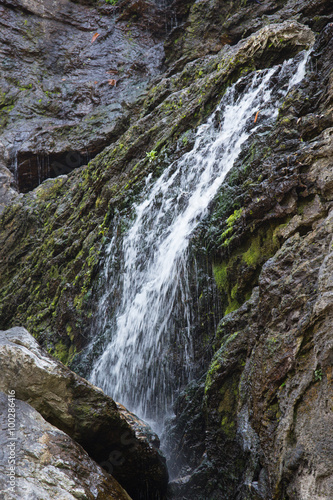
{"x":48,"y":464}
{"x":125,"y":446}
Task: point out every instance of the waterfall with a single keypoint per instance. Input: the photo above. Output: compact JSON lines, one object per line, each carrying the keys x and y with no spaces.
{"x":14,"y":166}
{"x":43,"y":167}
{"x":145,"y":313}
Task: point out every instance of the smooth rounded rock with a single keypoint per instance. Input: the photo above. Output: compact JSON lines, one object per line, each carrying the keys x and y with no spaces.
{"x":40,"y":462}
{"x":124,"y":445}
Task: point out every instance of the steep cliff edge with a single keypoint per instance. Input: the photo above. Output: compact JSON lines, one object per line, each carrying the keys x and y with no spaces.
{"x":257,"y":424}
{"x":52,"y":236}
{"x":266,"y":400}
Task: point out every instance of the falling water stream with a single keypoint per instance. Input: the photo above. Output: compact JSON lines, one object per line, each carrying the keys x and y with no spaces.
{"x":147,"y":279}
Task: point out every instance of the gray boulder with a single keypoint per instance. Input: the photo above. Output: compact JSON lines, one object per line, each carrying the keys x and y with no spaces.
{"x":125,"y":446}
{"x":48,"y":464}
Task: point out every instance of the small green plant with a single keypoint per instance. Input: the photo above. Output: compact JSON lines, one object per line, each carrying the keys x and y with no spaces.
{"x":318,"y":374}
{"x":233,"y":217}
{"x":152,"y":155}
{"x":112,"y":2}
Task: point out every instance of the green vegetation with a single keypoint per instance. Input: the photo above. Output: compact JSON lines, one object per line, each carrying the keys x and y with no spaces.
{"x":228,"y":405}
{"x":63,"y":353}
{"x":218,"y":360}
{"x":230,"y":222}
{"x":25,"y":87}
{"x":237,"y":273}
{"x":152,"y":155}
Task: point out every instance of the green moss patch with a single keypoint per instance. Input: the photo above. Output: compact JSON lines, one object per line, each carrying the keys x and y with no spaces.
{"x":237,"y":274}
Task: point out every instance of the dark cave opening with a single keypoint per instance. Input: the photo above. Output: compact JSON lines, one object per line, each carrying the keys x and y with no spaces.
{"x":31,"y":169}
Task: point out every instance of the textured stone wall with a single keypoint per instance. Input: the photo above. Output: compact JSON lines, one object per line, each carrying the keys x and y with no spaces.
{"x":256,"y":425}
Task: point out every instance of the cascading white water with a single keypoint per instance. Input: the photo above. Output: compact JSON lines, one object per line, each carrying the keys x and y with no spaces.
{"x":14,"y":167}
{"x":137,"y":367}
{"x":43,"y":166}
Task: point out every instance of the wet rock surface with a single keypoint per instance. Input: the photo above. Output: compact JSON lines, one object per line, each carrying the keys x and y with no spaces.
{"x":267,"y":396}
{"x":63,"y":223}
{"x":7,"y":188}
{"x":206,"y":29}
{"x":256,"y":426}
{"x":124,"y":445}
{"x":48,"y":463}
{"x":63,"y":97}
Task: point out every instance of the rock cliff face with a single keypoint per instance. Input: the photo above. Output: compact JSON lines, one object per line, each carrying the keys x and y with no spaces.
{"x":64,"y":97}
{"x":266,"y":399}
{"x":256,"y":422}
